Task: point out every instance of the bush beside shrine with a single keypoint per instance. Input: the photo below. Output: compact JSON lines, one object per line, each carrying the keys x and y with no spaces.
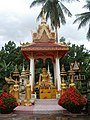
{"x":72,"y":100}
{"x":7,"y":103}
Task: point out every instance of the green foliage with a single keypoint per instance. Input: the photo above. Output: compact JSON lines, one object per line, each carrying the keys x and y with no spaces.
{"x":81,"y":55}
{"x":10,"y":55}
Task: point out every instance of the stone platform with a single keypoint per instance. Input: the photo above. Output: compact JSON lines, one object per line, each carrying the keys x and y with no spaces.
{"x":42,"y":106}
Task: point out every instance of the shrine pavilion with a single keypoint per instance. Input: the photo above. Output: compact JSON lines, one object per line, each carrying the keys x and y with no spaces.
{"x":44,"y":46}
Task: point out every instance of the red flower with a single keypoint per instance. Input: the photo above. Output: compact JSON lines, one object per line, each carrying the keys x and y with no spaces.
{"x":7,"y":102}
{"x":72,"y":100}
{"x":83,"y":100}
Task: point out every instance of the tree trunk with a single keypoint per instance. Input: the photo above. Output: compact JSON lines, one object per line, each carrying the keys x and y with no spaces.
{"x":56,"y":34}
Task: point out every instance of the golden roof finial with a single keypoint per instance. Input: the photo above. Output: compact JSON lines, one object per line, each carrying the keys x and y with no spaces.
{"x":43,"y":17}
{"x":43,"y":14}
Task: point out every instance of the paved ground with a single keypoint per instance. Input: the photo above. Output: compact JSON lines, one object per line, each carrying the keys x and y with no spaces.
{"x":44,"y":117}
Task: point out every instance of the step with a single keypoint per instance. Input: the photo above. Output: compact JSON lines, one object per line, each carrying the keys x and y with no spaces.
{"x":46,"y":101}
{"x":41,"y":106}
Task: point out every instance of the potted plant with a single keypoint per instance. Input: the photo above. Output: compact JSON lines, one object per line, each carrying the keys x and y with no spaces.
{"x":7,"y":103}
{"x":72,"y":100}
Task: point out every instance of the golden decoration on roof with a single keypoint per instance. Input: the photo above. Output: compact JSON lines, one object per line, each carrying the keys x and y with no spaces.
{"x":43,"y":18}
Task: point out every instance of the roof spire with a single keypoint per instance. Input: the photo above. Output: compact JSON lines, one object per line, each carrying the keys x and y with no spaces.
{"x":43,"y":17}
{"x":43,"y":13}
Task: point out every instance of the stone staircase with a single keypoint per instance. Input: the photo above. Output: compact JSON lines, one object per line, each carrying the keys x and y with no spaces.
{"x":42,"y":106}
{"x":46,"y":102}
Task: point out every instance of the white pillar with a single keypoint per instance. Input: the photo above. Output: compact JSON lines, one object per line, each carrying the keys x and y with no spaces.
{"x":58,"y":77}
{"x":32,"y":73}
{"x":54,"y":66}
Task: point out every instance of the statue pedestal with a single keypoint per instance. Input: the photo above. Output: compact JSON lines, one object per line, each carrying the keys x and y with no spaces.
{"x":47,"y":93}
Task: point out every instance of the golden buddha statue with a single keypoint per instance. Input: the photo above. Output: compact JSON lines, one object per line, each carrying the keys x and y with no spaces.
{"x":16,"y":91}
{"x":27,"y":92}
{"x":72,"y":84}
{"x":46,"y":88}
{"x":44,"y":78}
{"x":63,"y":86}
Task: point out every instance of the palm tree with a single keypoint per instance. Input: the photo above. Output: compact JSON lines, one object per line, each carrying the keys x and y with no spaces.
{"x":84,"y":19}
{"x":54,"y":9}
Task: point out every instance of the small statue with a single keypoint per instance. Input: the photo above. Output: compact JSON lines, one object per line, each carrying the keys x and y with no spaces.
{"x":63,"y":86}
{"x":44,"y":78}
{"x":72,"y":84}
{"x":27,"y":92}
{"x":16,"y":91}
{"x":37,"y":85}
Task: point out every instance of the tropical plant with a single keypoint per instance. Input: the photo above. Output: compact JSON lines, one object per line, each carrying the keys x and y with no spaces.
{"x":4,"y":68}
{"x":7,"y":103}
{"x":72,"y":100}
{"x":9,"y":57}
{"x":84,"y":19}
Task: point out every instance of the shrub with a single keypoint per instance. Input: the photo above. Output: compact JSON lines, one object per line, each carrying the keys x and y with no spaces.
{"x":72,"y":100}
{"x":7,"y":103}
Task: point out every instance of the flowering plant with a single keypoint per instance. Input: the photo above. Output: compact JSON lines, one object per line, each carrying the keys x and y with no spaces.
{"x":72,"y":100}
{"x":7,"y":102}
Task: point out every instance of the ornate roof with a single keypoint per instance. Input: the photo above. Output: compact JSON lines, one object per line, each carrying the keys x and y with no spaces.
{"x":45,"y":47}
{"x":44,"y":40}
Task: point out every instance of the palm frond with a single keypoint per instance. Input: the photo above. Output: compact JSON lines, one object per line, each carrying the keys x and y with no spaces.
{"x":87,"y":6}
{"x":61,"y":15}
{"x":37,"y":2}
{"x":40,"y":15}
{"x":83,"y":19}
{"x":66,"y":11}
{"x":88,"y":33}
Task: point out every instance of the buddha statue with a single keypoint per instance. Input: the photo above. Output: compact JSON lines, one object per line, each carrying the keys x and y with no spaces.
{"x":44,"y":78}
{"x":16,"y":91}
{"x":27,"y":92}
{"x":63,"y":86}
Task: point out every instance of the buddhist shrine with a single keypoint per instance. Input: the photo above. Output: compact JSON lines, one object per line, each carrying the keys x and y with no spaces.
{"x":44,"y":46}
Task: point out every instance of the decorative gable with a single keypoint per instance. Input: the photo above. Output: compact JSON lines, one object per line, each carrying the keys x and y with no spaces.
{"x":44,"y":34}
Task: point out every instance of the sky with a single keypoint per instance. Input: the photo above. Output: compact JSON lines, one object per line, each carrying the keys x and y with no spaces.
{"x":18,"y":20}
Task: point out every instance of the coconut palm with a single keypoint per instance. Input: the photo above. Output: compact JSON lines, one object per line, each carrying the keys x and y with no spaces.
{"x":84,"y":19}
{"x":54,"y":9}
